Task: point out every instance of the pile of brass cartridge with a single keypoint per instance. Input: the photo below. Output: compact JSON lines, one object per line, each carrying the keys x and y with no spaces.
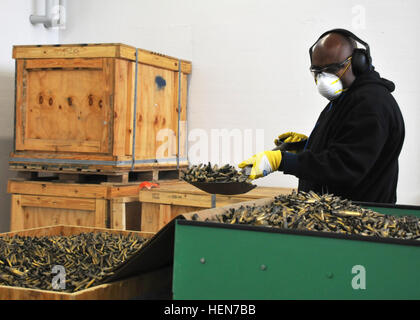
{"x":209,"y":173}
{"x":327,"y":213}
{"x":87,"y":259}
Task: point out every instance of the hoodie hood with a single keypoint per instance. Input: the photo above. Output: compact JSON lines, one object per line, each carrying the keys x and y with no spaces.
{"x":372,"y":77}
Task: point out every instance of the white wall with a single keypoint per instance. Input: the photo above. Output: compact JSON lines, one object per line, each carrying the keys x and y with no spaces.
{"x":250,"y":59}
{"x":15,"y":29}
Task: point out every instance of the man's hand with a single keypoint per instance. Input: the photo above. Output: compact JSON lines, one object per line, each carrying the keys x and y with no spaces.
{"x":262,"y":163}
{"x":290,"y":137}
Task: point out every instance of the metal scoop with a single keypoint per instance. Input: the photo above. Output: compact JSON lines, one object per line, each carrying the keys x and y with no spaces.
{"x":225,"y":188}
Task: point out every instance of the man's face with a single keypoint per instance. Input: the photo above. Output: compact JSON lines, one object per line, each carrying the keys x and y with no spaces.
{"x":332,"y":55}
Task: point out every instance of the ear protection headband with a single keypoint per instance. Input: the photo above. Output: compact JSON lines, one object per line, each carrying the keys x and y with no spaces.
{"x":361,"y":60}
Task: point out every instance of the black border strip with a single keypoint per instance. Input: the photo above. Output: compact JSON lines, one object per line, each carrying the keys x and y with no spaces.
{"x":387,"y":205}
{"x":415,"y":243}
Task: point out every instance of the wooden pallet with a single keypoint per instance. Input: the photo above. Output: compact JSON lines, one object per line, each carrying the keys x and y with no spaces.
{"x":36,"y":172}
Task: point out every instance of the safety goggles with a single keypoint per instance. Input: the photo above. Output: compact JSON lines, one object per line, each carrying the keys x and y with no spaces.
{"x":330,"y":68}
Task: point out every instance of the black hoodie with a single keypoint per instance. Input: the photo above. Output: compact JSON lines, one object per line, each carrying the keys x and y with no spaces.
{"x":353,"y":150}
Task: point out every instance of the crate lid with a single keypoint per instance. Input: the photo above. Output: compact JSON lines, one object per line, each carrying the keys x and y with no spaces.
{"x":99,"y":50}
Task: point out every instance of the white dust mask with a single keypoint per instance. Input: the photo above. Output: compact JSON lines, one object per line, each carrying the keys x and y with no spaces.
{"x":329,"y":85}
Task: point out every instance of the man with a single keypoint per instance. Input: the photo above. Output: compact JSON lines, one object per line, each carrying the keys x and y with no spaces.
{"x":354,"y":147}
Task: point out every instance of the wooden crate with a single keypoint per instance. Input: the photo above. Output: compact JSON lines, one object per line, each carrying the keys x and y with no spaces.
{"x":144,"y":285}
{"x":75,"y":109}
{"x":44,"y":203}
{"x":161,"y":205}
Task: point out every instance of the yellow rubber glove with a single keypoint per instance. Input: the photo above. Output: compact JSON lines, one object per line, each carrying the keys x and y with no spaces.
{"x":262,"y":163}
{"x":290,"y":137}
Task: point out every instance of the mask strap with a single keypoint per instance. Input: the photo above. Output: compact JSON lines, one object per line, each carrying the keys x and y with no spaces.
{"x":339,"y":77}
{"x":341,"y":90}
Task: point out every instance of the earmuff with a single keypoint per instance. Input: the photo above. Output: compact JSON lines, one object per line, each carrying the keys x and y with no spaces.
{"x":361,"y":60}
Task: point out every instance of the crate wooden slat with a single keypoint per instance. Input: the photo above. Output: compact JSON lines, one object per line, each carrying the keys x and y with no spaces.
{"x":161,"y":205}
{"x":75,"y":109}
{"x":40,"y":204}
{"x":103,"y":50}
{"x":141,"y":285}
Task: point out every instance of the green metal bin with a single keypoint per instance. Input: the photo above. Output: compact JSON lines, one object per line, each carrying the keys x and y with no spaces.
{"x":222,"y":261}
